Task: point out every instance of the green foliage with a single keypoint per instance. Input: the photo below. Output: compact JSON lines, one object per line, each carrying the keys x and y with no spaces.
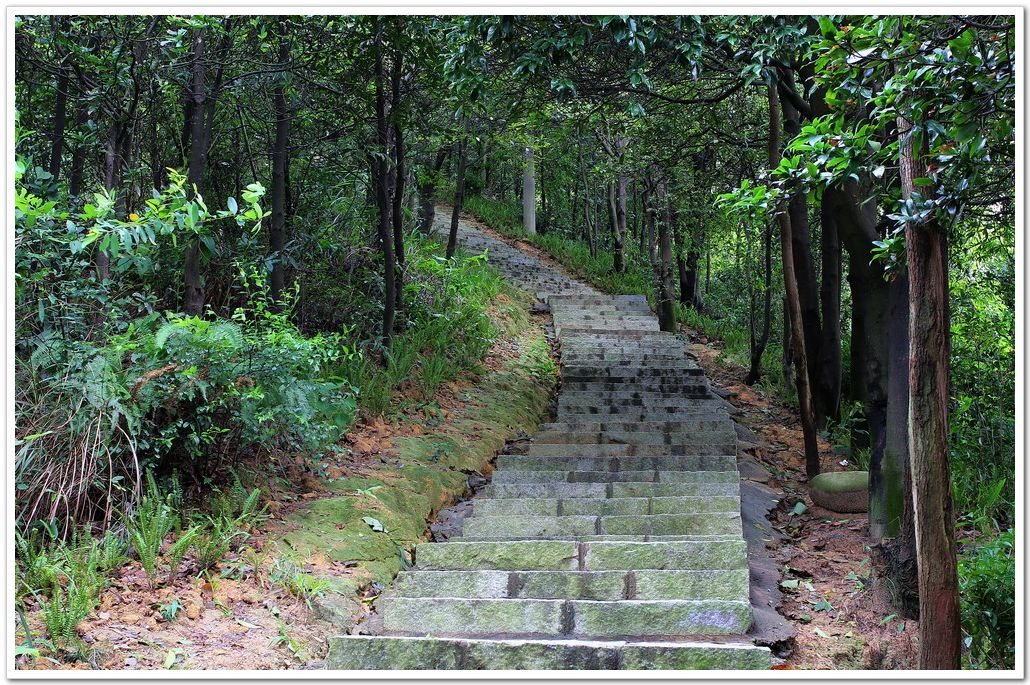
{"x":298,"y":583}
{"x":987,"y":584}
{"x":152,"y":521}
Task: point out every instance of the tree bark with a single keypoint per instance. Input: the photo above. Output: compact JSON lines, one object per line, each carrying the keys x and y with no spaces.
{"x":398,"y":175}
{"x":382,"y":190}
{"x":620,"y":218}
{"x":194,"y":292}
{"x":280,"y":152}
{"x":60,"y":120}
{"x":758,"y":345}
{"x":427,"y":193}
{"x":459,"y":196}
{"x":940,"y":635}
{"x":666,"y":304}
{"x":529,"y":191}
{"x":801,"y":378}
{"x":829,"y":375}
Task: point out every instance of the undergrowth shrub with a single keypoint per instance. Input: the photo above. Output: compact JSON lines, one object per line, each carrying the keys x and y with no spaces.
{"x":987,"y":588}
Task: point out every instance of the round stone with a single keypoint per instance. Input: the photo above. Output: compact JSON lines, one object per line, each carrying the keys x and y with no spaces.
{"x":845,"y":492}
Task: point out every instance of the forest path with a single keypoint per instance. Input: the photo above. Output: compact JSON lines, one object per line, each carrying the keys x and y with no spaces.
{"x":613,"y":541}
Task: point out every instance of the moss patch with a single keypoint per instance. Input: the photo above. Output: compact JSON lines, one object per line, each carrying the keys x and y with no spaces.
{"x":371,"y":523}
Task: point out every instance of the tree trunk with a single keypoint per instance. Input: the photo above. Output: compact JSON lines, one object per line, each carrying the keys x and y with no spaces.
{"x":758,"y":345}
{"x":398,"y":175}
{"x":666,"y":304}
{"x":620,"y":221}
{"x":529,"y":192}
{"x":79,"y":153}
{"x":382,"y":182}
{"x":890,"y":506}
{"x":940,"y":635}
{"x":60,"y":121}
{"x":427,"y":193}
{"x":194,"y":293}
{"x":790,"y":285}
{"x":829,"y":297}
{"x":459,"y":196}
{"x":280,"y":152}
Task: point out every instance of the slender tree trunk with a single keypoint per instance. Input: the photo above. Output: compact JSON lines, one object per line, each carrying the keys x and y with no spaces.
{"x":459,"y":196}
{"x":280,"y":152}
{"x":398,"y":174}
{"x":427,"y":193}
{"x":382,"y":191}
{"x":79,"y":152}
{"x":790,"y":284}
{"x":940,"y":635}
{"x":60,"y":120}
{"x":666,"y":291}
{"x":758,"y":345}
{"x":194,"y":293}
{"x":620,"y":221}
{"x":529,"y":191}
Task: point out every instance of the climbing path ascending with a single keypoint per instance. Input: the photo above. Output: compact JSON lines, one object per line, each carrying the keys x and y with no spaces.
{"x":613,"y":542}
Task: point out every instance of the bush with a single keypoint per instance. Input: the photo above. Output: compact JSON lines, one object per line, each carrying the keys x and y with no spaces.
{"x":987,"y":586}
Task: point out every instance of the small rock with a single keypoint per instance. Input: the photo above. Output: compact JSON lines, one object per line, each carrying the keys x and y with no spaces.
{"x":193,"y":611}
{"x":132,"y":618}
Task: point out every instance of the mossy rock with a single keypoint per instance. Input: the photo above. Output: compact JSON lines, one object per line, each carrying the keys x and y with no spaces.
{"x":845,"y":492}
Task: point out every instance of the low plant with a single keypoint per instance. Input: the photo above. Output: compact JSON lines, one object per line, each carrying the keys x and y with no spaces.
{"x":987,"y":588}
{"x":298,"y":583}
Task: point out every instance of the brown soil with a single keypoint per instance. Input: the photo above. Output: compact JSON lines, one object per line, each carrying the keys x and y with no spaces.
{"x":843,"y":617}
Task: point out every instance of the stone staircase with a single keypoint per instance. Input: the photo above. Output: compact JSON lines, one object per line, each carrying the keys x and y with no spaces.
{"x":613,"y":541}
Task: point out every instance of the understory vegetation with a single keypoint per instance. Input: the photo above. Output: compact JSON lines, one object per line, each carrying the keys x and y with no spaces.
{"x":228,"y":257}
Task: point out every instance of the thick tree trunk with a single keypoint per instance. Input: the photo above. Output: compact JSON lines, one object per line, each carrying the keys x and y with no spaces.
{"x":940,"y":634}
{"x":529,"y":192}
{"x":459,"y":197}
{"x":382,"y":191}
{"x":280,"y":152}
{"x":828,"y":389}
{"x":790,"y":285}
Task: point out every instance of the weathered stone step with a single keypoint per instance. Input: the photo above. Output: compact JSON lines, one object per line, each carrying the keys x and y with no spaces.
{"x":714,"y":423}
{"x":718,"y":485}
{"x":568,"y":555}
{"x":577,"y":618}
{"x":507,"y":463}
{"x":726,"y":449}
{"x":719,"y":464}
{"x":624,"y":506}
{"x":353,"y":652}
{"x":595,"y":585}
{"x":709,"y":523}
{"x":686,"y":388}
{"x":634,"y":437}
{"x":569,"y":396}
{"x":630,"y":413}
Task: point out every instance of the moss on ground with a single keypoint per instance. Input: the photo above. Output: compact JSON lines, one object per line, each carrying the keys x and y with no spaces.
{"x":374,"y":522}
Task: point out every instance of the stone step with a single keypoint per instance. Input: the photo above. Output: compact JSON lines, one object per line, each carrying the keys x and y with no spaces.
{"x":710,"y":488}
{"x":569,"y":555}
{"x":366,"y":652}
{"x":725,"y":464}
{"x":574,"y":618}
{"x":685,"y":388}
{"x":582,"y":506}
{"x":569,"y":396}
{"x":709,"y":523}
{"x":670,"y":463}
{"x":630,"y":413}
{"x":725,"y":449}
{"x":683,"y":437}
{"x":595,"y":585}
{"x":672,"y":427}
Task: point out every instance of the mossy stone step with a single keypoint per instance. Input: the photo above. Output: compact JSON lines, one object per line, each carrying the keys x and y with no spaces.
{"x":630,"y":413}
{"x":724,"y":464}
{"x":708,"y":523}
{"x":627,"y":506}
{"x":595,"y":585}
{"x":719,"y":485}
{"x":724,"y":436}
{"x":576,"y":618}
{"x":725,"y":449}
{"x":520,"y":462}
{"x":354,"y":652}
{"x":709,"y":424}
{"x":570,"y":555}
